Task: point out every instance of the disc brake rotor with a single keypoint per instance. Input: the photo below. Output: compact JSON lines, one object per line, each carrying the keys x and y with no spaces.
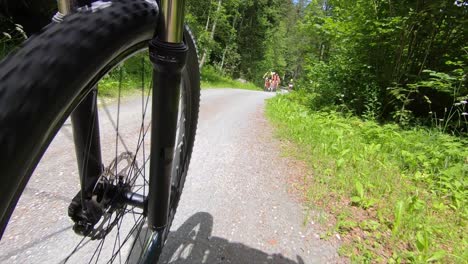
{"x":106,"y":193}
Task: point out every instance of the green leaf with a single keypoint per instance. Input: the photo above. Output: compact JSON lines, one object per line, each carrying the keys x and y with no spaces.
{"x":340,"y":163}
{"x":420,"y":242}
{"x":399,"y":211}
{"x":359,"y":189}
{"x":437,"y":256}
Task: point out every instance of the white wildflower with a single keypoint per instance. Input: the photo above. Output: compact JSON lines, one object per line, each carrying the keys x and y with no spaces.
{"x":8,"y":36}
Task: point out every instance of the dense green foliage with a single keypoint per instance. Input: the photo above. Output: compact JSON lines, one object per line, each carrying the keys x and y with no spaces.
{"x":244,"y":38}
{"x":403,"y":61}
{"x":388,"y":60}
{"x":398,"y":195}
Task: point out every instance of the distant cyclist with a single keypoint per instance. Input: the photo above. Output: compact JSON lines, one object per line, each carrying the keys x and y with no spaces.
{"x":267,"y":84}
{"x":276,"y":82}
{"x":268,"y":77}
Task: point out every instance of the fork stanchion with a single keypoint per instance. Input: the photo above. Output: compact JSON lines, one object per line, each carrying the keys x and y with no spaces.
{"x":168,"y":61}
{"x":171,"y":22}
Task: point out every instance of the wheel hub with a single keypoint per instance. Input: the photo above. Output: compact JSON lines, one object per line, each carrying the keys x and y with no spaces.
{"x":107,"y":204}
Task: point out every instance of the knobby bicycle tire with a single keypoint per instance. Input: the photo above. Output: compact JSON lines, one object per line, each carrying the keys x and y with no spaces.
{"x":52,"y":72}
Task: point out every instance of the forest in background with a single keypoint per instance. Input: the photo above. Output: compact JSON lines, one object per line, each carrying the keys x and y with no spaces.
{"x":401,"y":61}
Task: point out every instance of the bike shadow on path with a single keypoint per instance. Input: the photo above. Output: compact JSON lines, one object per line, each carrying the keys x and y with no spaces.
{"x":193,"y":243}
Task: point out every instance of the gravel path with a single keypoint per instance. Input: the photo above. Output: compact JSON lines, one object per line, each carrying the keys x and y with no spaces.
{"x":235,"y":207}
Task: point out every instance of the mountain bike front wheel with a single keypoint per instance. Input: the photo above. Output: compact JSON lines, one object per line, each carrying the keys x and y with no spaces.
{"x":40,"y":86}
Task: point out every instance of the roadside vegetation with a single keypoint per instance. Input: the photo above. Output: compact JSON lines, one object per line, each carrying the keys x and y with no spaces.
{"x":380,"y":114}
{"x":396,"y":195}
{"x":212,"y":78}
{"x":130,"y":76}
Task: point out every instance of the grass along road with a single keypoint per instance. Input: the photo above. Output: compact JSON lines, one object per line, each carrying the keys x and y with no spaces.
{"x":395,"y":195}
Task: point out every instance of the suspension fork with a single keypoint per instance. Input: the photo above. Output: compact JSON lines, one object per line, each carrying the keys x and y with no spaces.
{"x":168,"y":55}
{"x":85,"y":124}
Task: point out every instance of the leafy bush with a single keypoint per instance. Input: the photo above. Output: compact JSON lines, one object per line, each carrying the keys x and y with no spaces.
{"x":440,"y":96}
{"x":390,"y":61}
{"x":212,"y":75}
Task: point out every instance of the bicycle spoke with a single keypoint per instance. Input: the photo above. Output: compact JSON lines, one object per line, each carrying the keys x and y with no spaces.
{"x":132,"y":211}
{"x":141,"y":136}
{"x":133,"y":245}
{"x":143,"y":114}
{"x":143,"y":131}
{"x":76,"y":249}
{"x":99,"y":247}
{"x":117,"y":237}
{"x":142,"y":245}
{"x":109,"y":116}
{"x":118,"y":118}
{"x":143,"y":166}
{"x":141,"y":143}
{"x":137,"y":237}
{"x":139,"y":223}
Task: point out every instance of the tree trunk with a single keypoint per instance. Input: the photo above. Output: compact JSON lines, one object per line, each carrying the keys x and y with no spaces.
{"x":208,"y":19}
{"x":224,"y":57}
{"x":213,"y":30}
{"x":322,"y":52}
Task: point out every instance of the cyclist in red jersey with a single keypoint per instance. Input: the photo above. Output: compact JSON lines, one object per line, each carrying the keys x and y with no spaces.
{"x":276,"y":82}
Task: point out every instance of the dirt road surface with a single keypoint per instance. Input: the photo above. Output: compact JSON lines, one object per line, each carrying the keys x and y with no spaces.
{"x":235,"y":207}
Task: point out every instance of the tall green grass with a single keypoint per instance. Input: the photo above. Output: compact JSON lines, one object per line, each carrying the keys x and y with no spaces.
{"x":212,"y":78}
{"x":397,"y":195}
